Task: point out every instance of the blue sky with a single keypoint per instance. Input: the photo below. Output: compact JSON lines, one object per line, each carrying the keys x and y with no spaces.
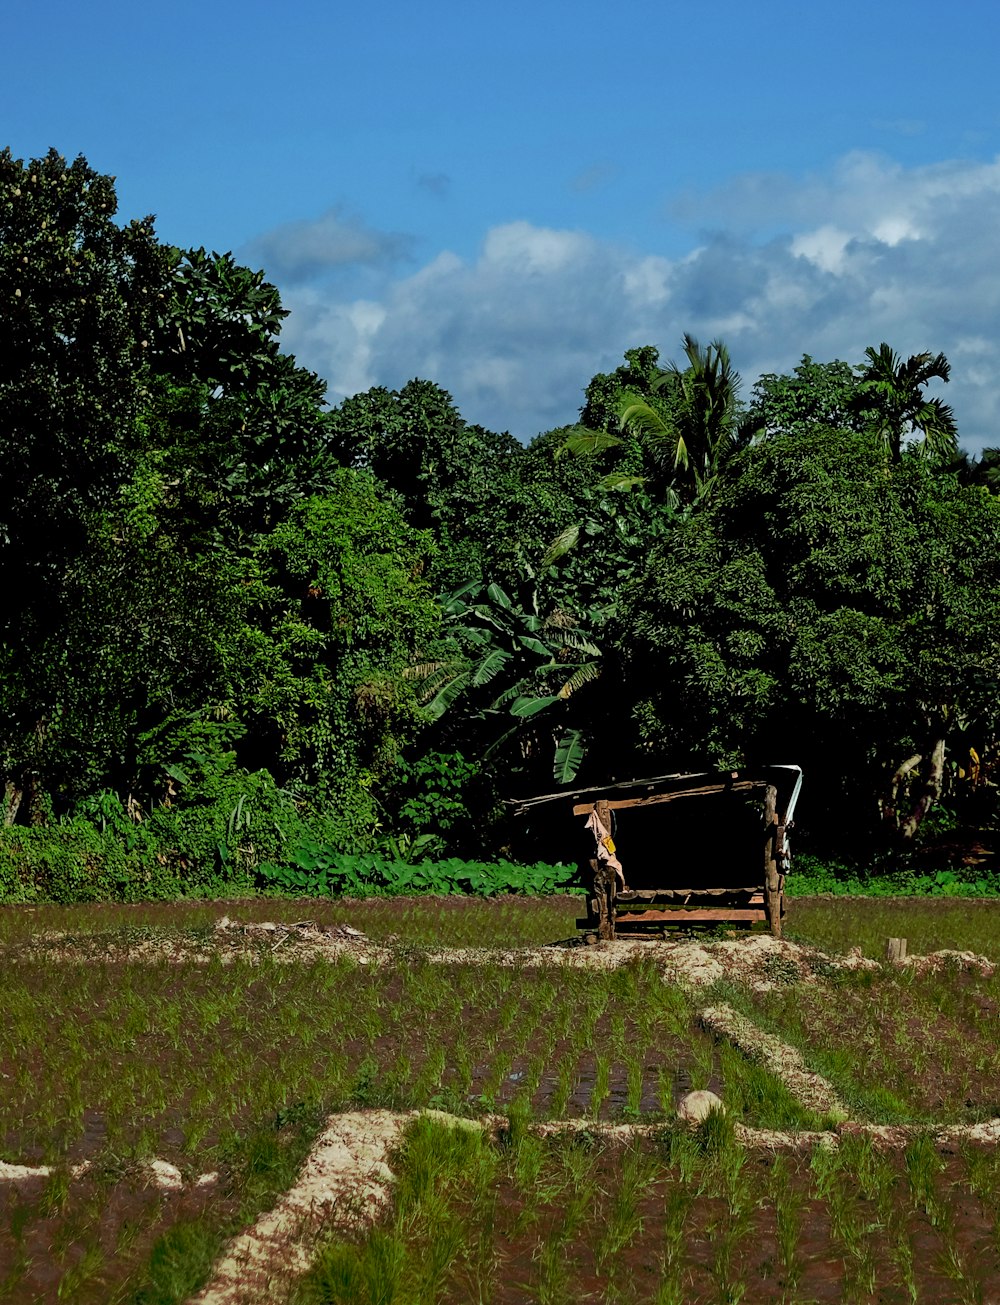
{"x":505,"y":199}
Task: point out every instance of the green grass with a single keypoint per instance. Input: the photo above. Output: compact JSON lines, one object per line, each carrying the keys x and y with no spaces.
{"x":425,"y":921}
{"x":837,"y":924}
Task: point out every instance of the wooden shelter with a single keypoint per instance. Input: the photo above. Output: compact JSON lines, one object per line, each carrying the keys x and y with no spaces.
{"x":682,"y":850}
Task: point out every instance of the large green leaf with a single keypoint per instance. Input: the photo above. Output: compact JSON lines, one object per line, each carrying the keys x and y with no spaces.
{"x":529,"y":706}
{"x":561,"y":545}
{"x":509,"y":694}
{"x":534,"y":645}
{"x":583,"y":442}
{"x":569,"y":755}
{"x":620,"y":480}
{"x":490,"y":666}
{"x":443,"y":699}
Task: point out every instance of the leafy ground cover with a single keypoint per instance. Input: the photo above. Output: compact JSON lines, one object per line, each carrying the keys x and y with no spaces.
{"x":678,"y":1219}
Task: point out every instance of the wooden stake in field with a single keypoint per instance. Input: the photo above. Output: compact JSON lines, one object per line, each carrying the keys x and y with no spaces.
{"x":896,"y":950}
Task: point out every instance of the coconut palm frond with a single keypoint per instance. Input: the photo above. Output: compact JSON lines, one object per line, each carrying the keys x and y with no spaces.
{"x":641,"y":418}
{"x":580,"y":441}
{"x":891,"y":390}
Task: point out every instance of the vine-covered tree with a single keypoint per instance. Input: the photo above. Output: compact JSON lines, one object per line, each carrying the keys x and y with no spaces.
{"x":79,"y":298}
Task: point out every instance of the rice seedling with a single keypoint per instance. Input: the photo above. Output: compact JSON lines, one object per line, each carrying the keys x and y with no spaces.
{"x":897,"y":1047}
{"x":426,"y":1241}
{"x":923,"y":1165}
{"x":788,"y":1207}
{"x":623,"y":1222}
{"x":982,"y":1174}
{"x":602,"y":1079}
{"x":118,"y":1062}
{"x":676,"y":1210}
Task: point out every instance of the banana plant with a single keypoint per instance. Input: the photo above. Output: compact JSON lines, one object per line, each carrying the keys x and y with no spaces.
{"x":513,"y":663}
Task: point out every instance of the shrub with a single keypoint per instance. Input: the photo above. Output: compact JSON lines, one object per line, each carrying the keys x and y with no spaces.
{"x":319,"y":870}
{"x":75,"y":861}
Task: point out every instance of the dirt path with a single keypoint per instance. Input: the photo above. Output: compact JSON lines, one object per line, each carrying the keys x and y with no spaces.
{"x":758,"y":961}
{"x":809,"y":1089}
{"x":344,"y":1182}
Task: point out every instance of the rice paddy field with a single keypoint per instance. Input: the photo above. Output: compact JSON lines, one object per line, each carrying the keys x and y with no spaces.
{"x":164,"y":1079}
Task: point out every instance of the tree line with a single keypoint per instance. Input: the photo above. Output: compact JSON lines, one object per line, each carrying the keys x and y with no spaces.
{"x":237,"y":618}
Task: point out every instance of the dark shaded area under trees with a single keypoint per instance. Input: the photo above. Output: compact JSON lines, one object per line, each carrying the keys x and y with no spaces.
{"x":244,"y":629}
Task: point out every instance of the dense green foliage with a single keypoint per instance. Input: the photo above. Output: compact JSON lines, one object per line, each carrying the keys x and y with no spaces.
{"x":240,"y":624}
{"x":827,"y":600}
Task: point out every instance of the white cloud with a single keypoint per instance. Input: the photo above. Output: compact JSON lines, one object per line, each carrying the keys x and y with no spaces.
{"x":826,"y":247}
{"x":825,"y":265}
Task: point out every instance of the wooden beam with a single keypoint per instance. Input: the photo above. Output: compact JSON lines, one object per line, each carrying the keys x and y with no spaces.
{"x":620,"y":804}
{"x":668,"y":896}
{"x":625,"y":910}
{"x":693,"y":915}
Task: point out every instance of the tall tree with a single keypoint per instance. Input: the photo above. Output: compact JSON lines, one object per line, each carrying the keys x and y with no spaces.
{"x":894,"y":391}
{"x":692,"y":444}
{"x":813,"y":394}
{"x":685,"y":418}
{"x":79,"y":296}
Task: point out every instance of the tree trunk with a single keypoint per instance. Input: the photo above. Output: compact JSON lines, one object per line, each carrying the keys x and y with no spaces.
{"x":890,"y":803}
{"x":12,"y":802}
{"x":927,"y":794}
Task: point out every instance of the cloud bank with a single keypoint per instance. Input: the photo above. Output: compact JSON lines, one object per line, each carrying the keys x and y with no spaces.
{"x":778,"y":267}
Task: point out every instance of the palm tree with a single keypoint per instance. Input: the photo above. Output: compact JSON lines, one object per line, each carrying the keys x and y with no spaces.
{"x":691,"y":446}
{"x":894,"y":391}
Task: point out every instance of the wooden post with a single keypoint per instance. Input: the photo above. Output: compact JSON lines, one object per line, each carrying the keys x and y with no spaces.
{"x":605,"y":882}
{"x":896,"y":950}
{"x":772,"y":879}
